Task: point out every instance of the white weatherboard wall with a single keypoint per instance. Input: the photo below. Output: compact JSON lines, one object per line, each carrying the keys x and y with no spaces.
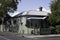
{"x":19,"y":23}
{"x":23,"y":28}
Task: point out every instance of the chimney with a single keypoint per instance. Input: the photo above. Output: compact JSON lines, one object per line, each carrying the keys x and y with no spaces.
{"x":40,"y":8}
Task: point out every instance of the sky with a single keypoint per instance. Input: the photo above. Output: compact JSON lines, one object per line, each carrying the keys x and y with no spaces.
{"x":25,"y":5}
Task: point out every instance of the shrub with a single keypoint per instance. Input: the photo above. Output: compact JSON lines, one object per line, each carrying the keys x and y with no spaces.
{"x":53,"y":30}
{"x":58,"y":28}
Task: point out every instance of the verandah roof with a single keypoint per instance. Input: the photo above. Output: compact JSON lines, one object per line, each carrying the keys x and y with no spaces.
{"x":36,"y":18}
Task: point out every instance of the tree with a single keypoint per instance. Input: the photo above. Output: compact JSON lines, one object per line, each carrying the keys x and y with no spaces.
{"x":54,"y":17}
{"x":58,"y":28}
{"x":7,"y":6}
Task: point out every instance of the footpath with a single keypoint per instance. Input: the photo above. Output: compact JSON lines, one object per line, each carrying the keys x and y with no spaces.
{"x":27,"y":36}
{"x":36,"y":36}
{"x":7,"y":34}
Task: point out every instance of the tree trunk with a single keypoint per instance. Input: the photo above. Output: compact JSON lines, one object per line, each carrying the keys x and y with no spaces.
{"x":2,"y":25}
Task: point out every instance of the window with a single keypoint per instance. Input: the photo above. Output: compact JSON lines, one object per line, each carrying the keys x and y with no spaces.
{"x":14,"y":21}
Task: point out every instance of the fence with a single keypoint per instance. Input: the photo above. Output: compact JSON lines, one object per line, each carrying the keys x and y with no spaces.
{"x":45,"y":31}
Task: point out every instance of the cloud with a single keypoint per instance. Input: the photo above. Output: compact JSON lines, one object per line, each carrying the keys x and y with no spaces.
{"x":46,"y":10}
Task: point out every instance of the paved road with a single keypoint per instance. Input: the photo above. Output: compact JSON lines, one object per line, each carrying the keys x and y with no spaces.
{"x":13,"y":38}
{"x":1,"y":38}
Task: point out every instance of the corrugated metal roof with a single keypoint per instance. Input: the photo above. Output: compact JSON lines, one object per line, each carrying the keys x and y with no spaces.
{"x":30,"y":12}
{"x":34,"y":12}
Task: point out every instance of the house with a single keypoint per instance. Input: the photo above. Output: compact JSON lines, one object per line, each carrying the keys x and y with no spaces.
{"x":27,"y":22}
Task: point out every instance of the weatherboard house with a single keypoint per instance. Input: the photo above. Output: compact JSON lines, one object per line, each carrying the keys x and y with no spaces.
{"x":27,"y":22}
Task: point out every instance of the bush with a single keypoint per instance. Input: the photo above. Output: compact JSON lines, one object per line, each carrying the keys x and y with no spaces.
{"x":53,"y":30}
{"x":58,"y":29}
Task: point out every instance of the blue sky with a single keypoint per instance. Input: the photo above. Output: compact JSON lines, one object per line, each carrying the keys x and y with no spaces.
{"x":33,"y":5}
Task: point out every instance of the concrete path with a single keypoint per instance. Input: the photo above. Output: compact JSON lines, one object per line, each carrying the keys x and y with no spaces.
{"x":27,"y":36}
{"x":35,"y":36}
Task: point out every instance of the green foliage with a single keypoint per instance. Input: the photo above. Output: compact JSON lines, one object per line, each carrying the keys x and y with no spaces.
{"x":51,"y":19}
{"x":52,"y":29}
{"x":58,"y":28}
{"x":7,"y":6}
{"x":54,"y":17}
